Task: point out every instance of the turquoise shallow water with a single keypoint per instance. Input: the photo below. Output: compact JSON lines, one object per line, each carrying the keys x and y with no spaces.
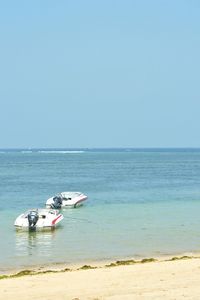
{"x":141,"y":203}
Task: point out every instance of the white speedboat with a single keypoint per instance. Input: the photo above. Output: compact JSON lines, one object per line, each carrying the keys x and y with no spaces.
{"x":66,"y":199}
{"x":39,"y":219}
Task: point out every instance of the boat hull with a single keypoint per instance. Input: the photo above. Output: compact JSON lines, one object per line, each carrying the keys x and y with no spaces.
{"x":47,"y":219}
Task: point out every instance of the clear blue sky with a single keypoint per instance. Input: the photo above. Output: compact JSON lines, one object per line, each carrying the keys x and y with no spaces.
{"x":103,"y":73}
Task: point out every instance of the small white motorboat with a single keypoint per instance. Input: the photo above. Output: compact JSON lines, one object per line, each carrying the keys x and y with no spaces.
{"x":66,"y":199}
{"x":42,"y":218}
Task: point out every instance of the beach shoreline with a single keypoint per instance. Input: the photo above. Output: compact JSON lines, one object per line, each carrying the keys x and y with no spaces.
{"x":170,"y":278}
{"x":99,"y":263}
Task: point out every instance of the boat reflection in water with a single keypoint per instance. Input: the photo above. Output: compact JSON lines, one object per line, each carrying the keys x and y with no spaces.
{"x":38,"y":245}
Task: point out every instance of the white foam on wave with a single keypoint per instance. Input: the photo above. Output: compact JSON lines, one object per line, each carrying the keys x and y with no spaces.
{"x":61,"y":151}
{"x":26,"y":151}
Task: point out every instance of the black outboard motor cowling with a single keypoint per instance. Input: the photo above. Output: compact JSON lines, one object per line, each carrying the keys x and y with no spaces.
{"x":32,"y":218}
{"x":57,"y":202}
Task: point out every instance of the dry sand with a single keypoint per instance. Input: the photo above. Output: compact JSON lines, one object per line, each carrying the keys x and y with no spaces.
{"x":178,"y":279}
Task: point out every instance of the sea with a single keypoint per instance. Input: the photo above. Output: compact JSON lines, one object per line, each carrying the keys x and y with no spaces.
{"x":141,"y":203}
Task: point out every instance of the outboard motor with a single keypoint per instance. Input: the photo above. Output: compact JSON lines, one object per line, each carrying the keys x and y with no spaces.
{"x":32,"y":219}
{"x":57,"y":202}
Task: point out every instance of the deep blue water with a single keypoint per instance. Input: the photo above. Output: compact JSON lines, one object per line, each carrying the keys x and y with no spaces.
{"x":141,"y":202}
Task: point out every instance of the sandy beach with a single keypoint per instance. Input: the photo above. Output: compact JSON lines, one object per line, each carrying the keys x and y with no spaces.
{"x":162,"y":279}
